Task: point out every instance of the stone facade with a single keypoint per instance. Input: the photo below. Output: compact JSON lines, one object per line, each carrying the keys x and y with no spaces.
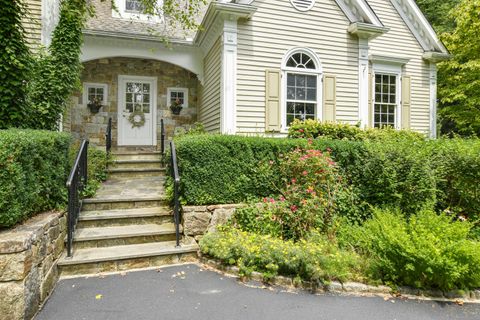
{"x":28,"y":264}
{"x":84,"y":124}
{"x":198,"y":220}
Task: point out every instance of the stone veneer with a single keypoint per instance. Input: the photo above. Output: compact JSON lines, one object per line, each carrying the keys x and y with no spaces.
{"x":28,"y":264}
{"x":198,"y":220}
{"x":83,"y":124}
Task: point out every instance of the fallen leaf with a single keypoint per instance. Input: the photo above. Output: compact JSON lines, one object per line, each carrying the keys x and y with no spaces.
{"x":123,"y":274}
{"x":386,"y":298}
{"x":459,"y":302}
{"x":98,"y":296}
{"x":392,"y":301}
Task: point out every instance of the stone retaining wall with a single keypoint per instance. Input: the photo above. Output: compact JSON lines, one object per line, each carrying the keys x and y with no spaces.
{"x":198,"y":220}
{"x":28,"y":264}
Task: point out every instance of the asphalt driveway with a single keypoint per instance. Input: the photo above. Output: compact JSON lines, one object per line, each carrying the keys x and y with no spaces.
{"x":189,"y":292}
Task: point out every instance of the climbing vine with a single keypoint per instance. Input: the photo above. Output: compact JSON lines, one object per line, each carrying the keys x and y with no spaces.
{"x":15,"y":60}
{"x":57,"y":71}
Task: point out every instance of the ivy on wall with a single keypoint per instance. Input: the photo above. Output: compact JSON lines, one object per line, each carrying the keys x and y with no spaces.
{"x":15,"y":61}
{"x":35,"y":87}
{"x":57,"y":72}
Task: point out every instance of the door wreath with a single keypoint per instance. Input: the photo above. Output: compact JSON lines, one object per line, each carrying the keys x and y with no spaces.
{"x":137,"y":118}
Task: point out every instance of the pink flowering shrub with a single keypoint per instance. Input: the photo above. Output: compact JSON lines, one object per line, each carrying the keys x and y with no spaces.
{"x":307,"y":197}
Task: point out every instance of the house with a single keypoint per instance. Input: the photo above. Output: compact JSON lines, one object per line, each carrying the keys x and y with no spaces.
{"x":255,"y":65}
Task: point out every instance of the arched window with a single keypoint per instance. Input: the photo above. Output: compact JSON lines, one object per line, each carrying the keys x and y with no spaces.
{"x":302,"y":85}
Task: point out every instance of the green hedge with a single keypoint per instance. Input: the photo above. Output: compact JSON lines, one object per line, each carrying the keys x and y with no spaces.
{"x":33,"y":169}
{"x":225,"y":169}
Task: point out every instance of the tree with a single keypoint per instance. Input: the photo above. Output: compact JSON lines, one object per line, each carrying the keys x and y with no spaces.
{"x":459,"y":78}
{"x":437,"y":12}
{"x":14,"y":64}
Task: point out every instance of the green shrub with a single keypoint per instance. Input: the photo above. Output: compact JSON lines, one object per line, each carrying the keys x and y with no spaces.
{"x":457,"y":166}
{"x":96,"y":167}
{"x":230,"y":169}
{"x":313,"y":129}
{"x":425,"y":251}
{"x":309,"y":196}
{"x":33,"y":170}
{"x":313,"y":259}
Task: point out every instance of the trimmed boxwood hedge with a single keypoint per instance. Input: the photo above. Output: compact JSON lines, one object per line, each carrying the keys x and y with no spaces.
{"x":225,"y":169}
{"x":33,"y":169}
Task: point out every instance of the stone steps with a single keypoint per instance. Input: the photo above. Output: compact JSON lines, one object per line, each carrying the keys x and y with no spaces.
{"x":123,"y":235}
{"x":139,"y":171}
{"x":123,"y":203}
{"x":128,"y":224}
{"x":122,"y":217}
{"x":128,"y":257}
{"x":137,"y":164}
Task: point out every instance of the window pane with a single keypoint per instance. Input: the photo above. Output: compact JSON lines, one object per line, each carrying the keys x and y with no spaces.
{"x":146,"y":98}
{"x":129,"y":107}
{"x":146,"y":88}
{"x":146,"y":108}
{"x":312,"y":94}
{"x":300,"y":94}
{"x":289,"y":119}
{"x":290,"y":80}
{"x":291,"y":93}
{"x":290,"y":107}
{"x":91,"y":90}
{"x":312,"y":81}
{"x":300,"y":80}
{"x":310,"y":109}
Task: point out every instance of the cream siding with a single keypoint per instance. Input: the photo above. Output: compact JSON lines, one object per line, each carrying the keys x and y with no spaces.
{"x":399,"y":41}
{"x":32,"y":23}
{"x":209,"y":111}
{"x":277,"y":27}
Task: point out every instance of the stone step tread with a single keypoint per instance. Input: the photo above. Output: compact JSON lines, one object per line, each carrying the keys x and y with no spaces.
{"x":131,"y":251}
{"x":135,"y":152}
{"x":117,"y":232}
{"x":125,"y":199}
{"x":128,"y":161}
{"x":135,"y":170}
{"x":124,"y":213}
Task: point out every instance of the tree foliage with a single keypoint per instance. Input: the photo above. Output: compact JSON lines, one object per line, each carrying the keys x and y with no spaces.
{"x":459,"y":78}
{"x":437,"y":13}
{"x":14,"y":64}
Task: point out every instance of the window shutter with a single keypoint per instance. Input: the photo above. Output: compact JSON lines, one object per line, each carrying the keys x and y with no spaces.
{"x":406,"y":101}
{"x":371,"y":81}
{"x":329,"y":97}
{"x":272,"y":100}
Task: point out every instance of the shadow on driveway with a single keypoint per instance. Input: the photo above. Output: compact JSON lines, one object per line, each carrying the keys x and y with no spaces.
{"x":188,"y":292}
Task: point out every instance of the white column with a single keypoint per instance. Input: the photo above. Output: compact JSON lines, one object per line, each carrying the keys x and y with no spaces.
{"x":433,"y":100}
{"x":228,"y":86}
{"x":363,"y":82}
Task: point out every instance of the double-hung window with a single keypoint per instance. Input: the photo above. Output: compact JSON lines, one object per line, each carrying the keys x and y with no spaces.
{"x":386,"y":104}
{"x":302,"y":78}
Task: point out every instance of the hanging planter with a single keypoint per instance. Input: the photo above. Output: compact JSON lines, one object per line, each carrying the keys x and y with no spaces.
{"x":94,"y":105}
{"x":176,"y":107}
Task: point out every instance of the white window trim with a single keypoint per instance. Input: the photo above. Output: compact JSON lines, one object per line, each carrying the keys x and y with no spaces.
{"x":393,"y":70}
{"x":121,"y":13}
{"x":87,"y":85}
{"x":175,"y":89}
{"x":285,"y":70}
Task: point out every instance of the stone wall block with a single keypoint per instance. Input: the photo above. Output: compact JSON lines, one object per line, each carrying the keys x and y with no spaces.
{"x":32,"y":292}
{"x":12,"y":302}
{"x":48,"y":283}
{"x":15,"y":266}
{"x":196,"y":222}
{"x":220,"y":216}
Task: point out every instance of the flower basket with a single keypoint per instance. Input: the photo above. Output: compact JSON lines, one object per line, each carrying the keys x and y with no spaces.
{"x":176,"y":107}
{"x":94,"y":108}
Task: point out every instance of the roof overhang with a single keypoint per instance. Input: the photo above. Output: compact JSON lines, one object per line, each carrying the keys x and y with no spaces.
{"x":359,"y":11}
{"x":222,"y":11}
{"x":436,"y":57}
{"x":366,"y":30}
{"x":419,"y":26}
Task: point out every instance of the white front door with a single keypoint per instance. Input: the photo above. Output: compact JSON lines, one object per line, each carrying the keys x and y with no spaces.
{"x":137,"y":110}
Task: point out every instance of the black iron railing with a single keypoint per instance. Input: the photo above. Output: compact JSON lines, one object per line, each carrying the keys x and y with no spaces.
{"x":162,"y":141}
{"x":176,"y":190}
{"x":108,"y":136}
{"x":77,"y":180}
